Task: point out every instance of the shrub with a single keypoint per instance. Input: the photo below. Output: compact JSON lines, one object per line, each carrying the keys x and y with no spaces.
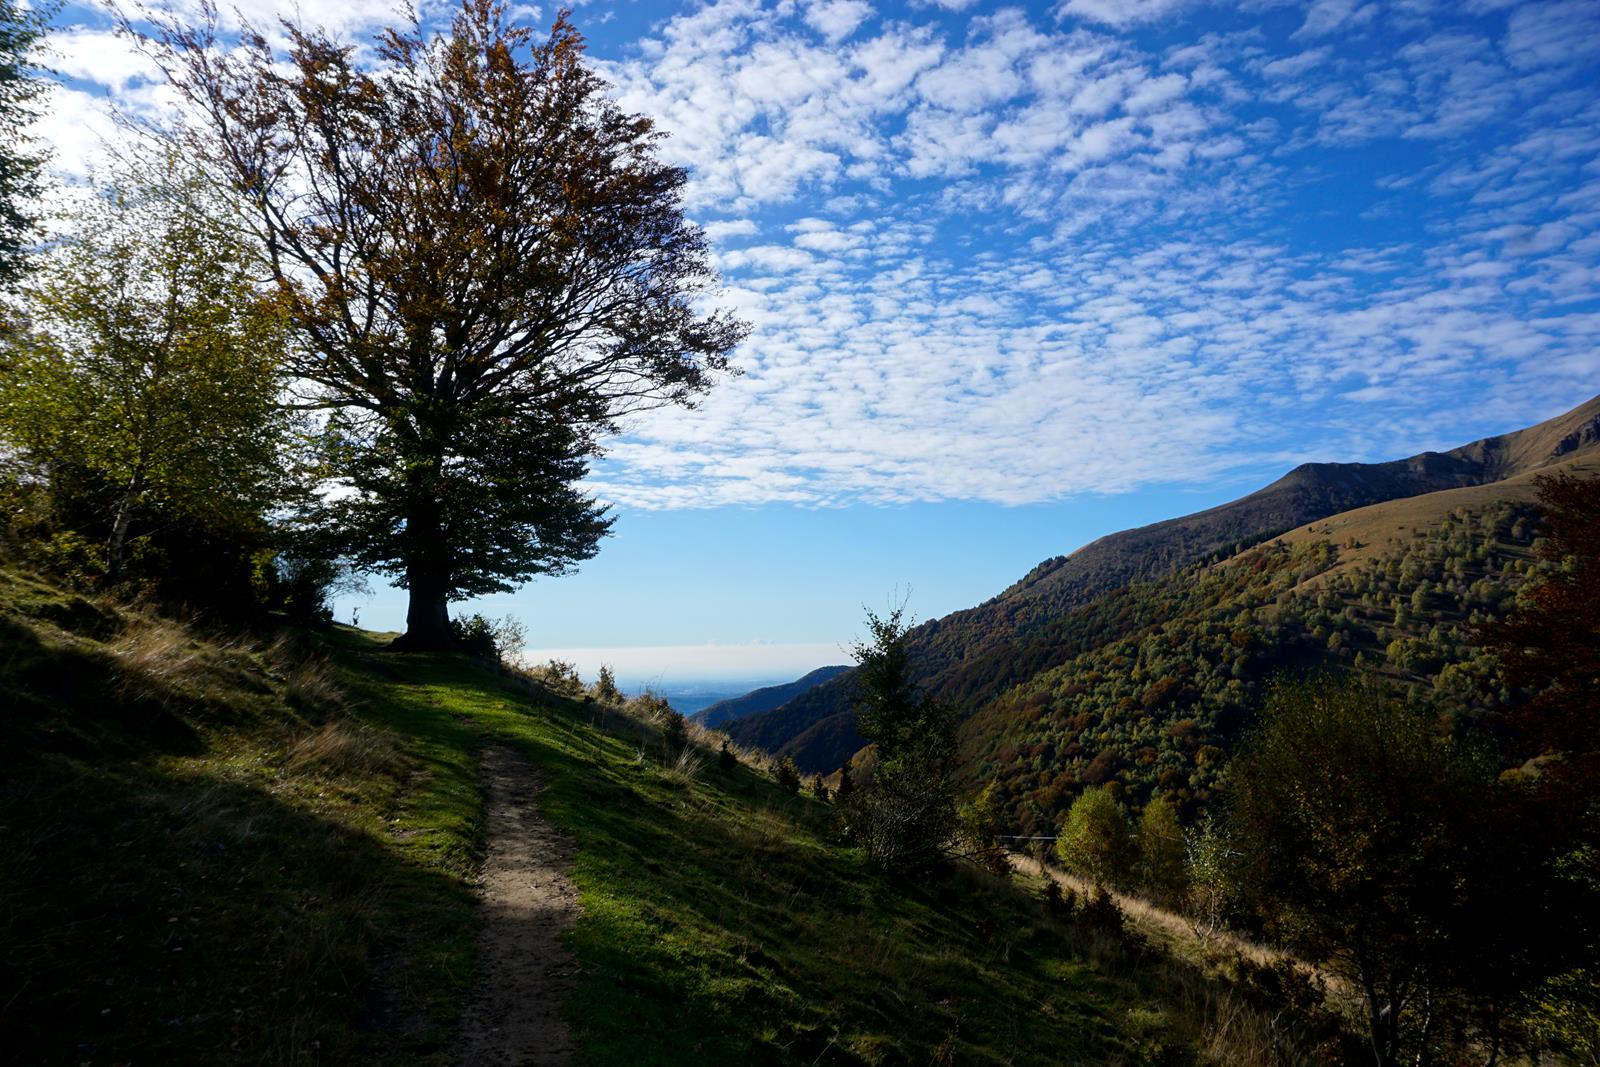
{"x":847,"y":785}
{"x":605,"y":687}
{"x":502,"y":641}
{"x":1094,"y":840}
{"x":558,"y":676}
{"x":980,"y":820}
{"x":819,"y":788}
{"x":1057,"y":902}
{"x":1101,"y":912}
{"x":674,"y":729}
{"x":788,"y":775}
{"x":650,"y":706}
{"x":475,"y":636}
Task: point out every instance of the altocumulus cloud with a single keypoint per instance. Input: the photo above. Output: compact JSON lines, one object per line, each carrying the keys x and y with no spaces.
{"x":1014,"y":254}
{"x":1018,"y":255}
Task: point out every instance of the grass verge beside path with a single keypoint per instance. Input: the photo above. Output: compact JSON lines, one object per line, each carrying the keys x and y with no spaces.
{"x":223,"y":850}
{"x":722,"y":924}
{"x":210,"y":856}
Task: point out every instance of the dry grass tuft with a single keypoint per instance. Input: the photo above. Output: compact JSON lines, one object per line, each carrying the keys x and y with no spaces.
{"x":312,"y":685}
{"x":685,"y":767}
{"x":1226,"y":1025}
{"x":342,"y":748}
{"x":157,"y":651}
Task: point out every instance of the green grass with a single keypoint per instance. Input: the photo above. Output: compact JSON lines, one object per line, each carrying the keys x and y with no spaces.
{"x":722,"y":925}
{"x":229,"y":850}
{"x":208,"y":859}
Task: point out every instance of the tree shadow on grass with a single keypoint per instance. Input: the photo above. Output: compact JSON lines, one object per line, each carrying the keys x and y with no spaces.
{"x":153,"y":916}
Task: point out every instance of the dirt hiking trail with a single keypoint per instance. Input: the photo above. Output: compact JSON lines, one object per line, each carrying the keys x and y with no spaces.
{"x":525,"y":972}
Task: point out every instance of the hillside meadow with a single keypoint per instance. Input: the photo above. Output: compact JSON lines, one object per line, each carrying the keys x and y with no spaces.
{"x":266,"y":844}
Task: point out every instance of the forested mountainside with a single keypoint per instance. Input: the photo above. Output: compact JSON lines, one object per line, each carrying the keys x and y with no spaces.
{"x":1169,"y":678}
{"x":766,"y":698}
{"x":972,"y":657}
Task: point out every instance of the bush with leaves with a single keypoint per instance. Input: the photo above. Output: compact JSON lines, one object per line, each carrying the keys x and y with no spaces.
{"x":674,"y":730}
{"x":980,"y":819}
{"x":605,"y":687}
{"x":1101,"y":912}
{"x":1351,"y":828}
{"x":847,"y":785}
{"x":788,"y":775}
{"x":558,"y":676}
{"x":1162,"y":851}
{"x":1094,"y":840}
{"x":1057,"y":902}
{"x":502,"y":640}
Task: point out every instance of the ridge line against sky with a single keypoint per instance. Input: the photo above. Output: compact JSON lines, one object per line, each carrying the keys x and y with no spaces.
{"x":1025,"y":274}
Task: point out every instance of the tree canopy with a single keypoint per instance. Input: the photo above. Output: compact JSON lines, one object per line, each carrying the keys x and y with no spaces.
{"x":490,"y":267}
{"x":21,"y":27}
{"x":1094,"y":840}
{"x":149,"y":379}
{"x":1351,"y":824}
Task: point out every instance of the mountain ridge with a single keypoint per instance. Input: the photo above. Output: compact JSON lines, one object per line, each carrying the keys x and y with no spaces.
{"x":713,"y":716}
{"x":973,"y":655}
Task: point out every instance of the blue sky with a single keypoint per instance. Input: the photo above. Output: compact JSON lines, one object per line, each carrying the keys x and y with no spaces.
{"x":1024,"y":274}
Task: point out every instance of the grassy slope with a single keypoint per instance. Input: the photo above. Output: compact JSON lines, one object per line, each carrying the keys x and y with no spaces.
{"x":205,"y":859}
{"x":212,"y":857}
{"x":1380,"y":530}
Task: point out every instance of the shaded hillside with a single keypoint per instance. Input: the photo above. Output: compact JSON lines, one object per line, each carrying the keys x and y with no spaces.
{"x":972,"y":656}
{"x":764,"y":699}
{"x":223,"y":850}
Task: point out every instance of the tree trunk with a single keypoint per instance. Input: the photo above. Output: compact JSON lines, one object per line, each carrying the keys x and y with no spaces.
{"x":117,"y":549}
{"x":427,"y":616}
{"x":427,"y":569}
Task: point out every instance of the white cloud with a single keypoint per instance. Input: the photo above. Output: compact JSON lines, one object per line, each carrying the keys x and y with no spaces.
{"x":837,"y":19}
{"x":1012,"y":259}
{"x":722,"y":229}
{"x":1121,"y":12}
{"x":1327,"y":16}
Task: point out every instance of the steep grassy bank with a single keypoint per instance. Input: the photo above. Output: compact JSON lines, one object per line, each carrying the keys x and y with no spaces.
{"x":248,"y":851}
{"x":210,"y":856}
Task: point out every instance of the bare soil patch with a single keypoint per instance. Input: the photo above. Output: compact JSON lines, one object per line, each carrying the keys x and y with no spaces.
{"x":525,"y":971}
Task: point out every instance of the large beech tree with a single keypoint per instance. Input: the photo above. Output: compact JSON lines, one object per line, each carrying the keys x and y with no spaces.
{"x":490,"y":267}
